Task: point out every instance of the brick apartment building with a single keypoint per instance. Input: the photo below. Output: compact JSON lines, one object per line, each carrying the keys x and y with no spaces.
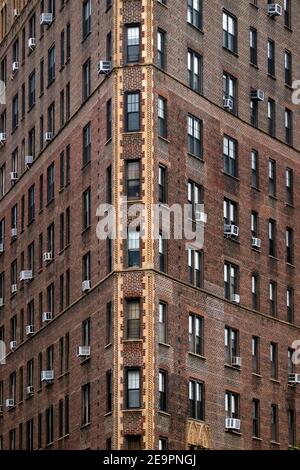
{"x":139,"y":343}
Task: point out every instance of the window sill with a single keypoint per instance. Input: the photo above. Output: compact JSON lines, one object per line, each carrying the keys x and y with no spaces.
{"x":199,"y":30}
{"x":50,"y":444}
{"x":231,"y":176}
{"x":50,"y":83}
{"x":164,"y":413}
{"x":290,"y":265}
{"x":30,"y":223}
{"x":63,"y":437}
{"x":86,"y":230}
{"x":86,"y":37}
{"x":256,"y":250}
{"x":275,"y":381}
{"x":85,"y":361}
{"x":271,"y":76}
{"x":234,"y":53}
{"x":132,"y":341}
{"x":164,"y":345}
{"x":108,"y":346}
{"x":255,"y":188}
{"x":255,"y":66}
{"x":85,"y":165}
{"x":50,"y":202}
{"x":132,"y":132}
{"x":197,"y":355}
{"x":274,"y":443}
{"x":163,"y":139}
{"x":230,"y":238}
{"x":109,"y":413}
{"x":85,"y":426}
{"x":230,"y":366}
{"x":134,"y":410}
{"x":274,"y":258}
{"x":198,"y":157}
{"x":288,"y":28}
{"x":258,"y":376}
{"x":259,"y":439}
{"x":232,"y":431}
{"x":108,"y":141}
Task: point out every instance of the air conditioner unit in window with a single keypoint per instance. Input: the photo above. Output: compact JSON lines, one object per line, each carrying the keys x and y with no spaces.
{"x":30,"y":390}
{"x":294,"y":379}
{"x":47,"y":316}
{"x":232,"y":423}
{"x":14,"y":233}
{"x":2,"y":138}
{"x":274,"y":9}
{"x":86,"y":286}
{"x":201,"y":217}
{"x":14,"y":288}
{"x":13,"y":176}
{"x":10,"y":403}
{"x":257,"y":95}
{"x":47,"y":375}
{"x":29,"y":330}
{"x":1,"y":248}
{"x":104,"y":67}
{"x":228,"y":104}
{"x":31,"y":43}
{"x":256,"y":242}
{"x":49,"y":136}
{"x":26,"y":275}
{"x":231,"y":230}
{"x":47,"y":257}
{"x":236,"y":361}
{"x":1,"y":302}
{"x":12,"y":345}
{"x":28,"y":160}
{"x":83,"y":351}
{"x":46,"y":19}
{"x":235,"y":298}
{"x":15,"y":66}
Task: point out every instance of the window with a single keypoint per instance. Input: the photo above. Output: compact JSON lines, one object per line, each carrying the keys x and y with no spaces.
{"x":2,"y":180}
{"x":196,"y":334}
{"x":162,"y":390}
{"x":194,"y":136}
{"x":254,"y":169}
{"x":62,"y":48}
{"x":274,"y":360}
{"x":133,"y":248}
{"x":62,"y":170}
{"x":31,"y":90}
{"x":288,"y":125}
{"x":86,"y":209}
{"x":231,"y":344}
{"x":232,"y":402}
{"x":162,"y":184}
{"x":30,"y":373}
{"x":256,"y":418}
{"x":195,"y":198}
{"x":109,"y":391}
{"x":161,"y":40}
{"x":195,"y":267}
{"x":133,"y":443}
{"x":230,"y":155}
{"x":31,"y":142}
{"x":292,"y":427}
{"x":133,"y":388}
{"x":86,"y":332}
{"x":68,"y":163}
{"x":195,"y":71}
{"x":31,"y":258}
{"x":291,"y":364}
{"x":230,"y":280}
{"x":162,"y":253}
{"x":194,"y":13}
{"x":87,"y":143}
{"x":255,"y":355}
{"x":51,"y":118}
{"x":289,"y":239}
{"x":230,"y":92}
{"x":288,"y":68}
{"x":86,"y":18}
{"x":133,"y":324}
{"x":86,"y":79}
{"x":162,"y":323}
{"x":271,"y":57}
{"x":229,"y":32}
{"x":271,"y":118}
{"x":51,"y":65}
{"x":255,"y":291}
{"x":289,"y":179}
{"x":15,"y":112}
{"x":272,"y":178}
{"x":274,"y":423}
{"x":86,"y":267}
{"x":108,"y":120}
{"x":162,"y":117}
{"x":163,"y":443}
{"x":253,"y":46}
{"x":50,"y":183}
{"x":287,"y":13}
{"x":133,"y":179}
{"x":49,"y":425}
{"x":68,"y":45}
{"x":132,"y":122}
{"x":42,"y":84}
{"x":109,"y":323}
{"x":133,"y":43}
{"x":31,"y":204}
{"x":290,"y":305}
{"x":254,"y":112}
{"x":230,"y":212}
{"x":86,"y":406}
{"x":29,"y":435}
{"x":273,"y":298}
{"x":109,"y":47}
{"x":272,"y":237}
{"x":196,"y":400}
